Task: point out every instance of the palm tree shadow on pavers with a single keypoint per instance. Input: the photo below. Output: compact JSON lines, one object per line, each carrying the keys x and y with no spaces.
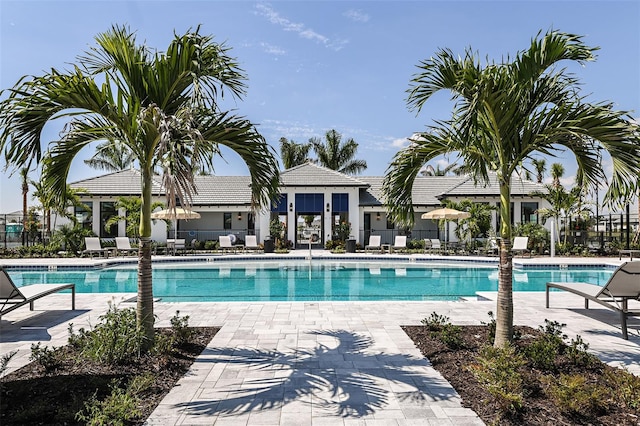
{"x":348,"y":380}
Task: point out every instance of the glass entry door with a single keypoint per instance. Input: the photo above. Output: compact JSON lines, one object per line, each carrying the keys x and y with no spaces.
{"x":309,"y":230}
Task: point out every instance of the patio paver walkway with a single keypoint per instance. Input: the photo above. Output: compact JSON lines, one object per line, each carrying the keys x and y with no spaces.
{"x":297,"y":363}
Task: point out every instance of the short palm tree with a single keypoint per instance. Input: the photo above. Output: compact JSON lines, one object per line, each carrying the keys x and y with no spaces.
{"x":24,"y":179}
{"x":111,"y":156}
{"x":335,"y":155}
{"x":293,"y":154}
{"x":505,"y":114}
{"x":541,"y":167}
{"x":557,"y":171}
{"x":162,"y":106}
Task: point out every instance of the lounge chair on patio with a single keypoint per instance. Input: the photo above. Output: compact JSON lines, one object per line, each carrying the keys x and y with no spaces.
{"x":624,"y":285}
{"x":123,"y":245}
{"x":12,"y":296}
{"x":520,"y":244}
{"x":374,"y":244}
{"x":225,"y":244}
{"x":435,"y":246}
{"x":92,"y":245}
{"x":400,"y":243}
{"x":251,"y":243}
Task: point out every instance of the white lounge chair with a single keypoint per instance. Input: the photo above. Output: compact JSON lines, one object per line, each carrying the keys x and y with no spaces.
{"x":433,"y":245}
{"x":123,"y":245}
{"x":399,"y":243}
{"x":92,"y":245}
{"x":520,"y":244}
{"x":225,"y":244}
{"x":12,"y":296}
{"x":624,"y":285}
{"x":251,"y":243}
{"x":374,"y":244}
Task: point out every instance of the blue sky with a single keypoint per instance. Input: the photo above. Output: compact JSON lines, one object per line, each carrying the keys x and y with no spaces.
{"x":313,"y":66}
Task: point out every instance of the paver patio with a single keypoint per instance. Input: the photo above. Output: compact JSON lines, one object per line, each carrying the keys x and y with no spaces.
{"x":281,"y":363}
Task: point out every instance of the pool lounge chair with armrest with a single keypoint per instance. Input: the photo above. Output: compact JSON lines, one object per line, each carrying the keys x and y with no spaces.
{"x":436,"y":245}
{"x":12,"y":297}
{"x":374,"y":244}
{"x":123,"y":245}
{"x":624,"y":285}
{"x":225,"y":244}
{"x":520,"y":244}
{"x":399,"y":243}
{"x":251,"y":243}
{"x":92,"y":245}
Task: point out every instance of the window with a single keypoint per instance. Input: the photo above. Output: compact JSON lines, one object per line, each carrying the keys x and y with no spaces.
{"x":227,"y":220}
{"x":83,"y":216}
{"x":107,"y":211}
{"x":340,"y":203}
{"x":390,"y":224}
{"x":529,"y":212}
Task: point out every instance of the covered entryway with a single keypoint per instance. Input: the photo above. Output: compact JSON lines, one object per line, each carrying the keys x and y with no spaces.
{"x":309,"y":221}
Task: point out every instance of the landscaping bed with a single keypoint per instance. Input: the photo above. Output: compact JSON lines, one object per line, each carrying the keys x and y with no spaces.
{"x":65,"y":386}
{"x":543,"y":380}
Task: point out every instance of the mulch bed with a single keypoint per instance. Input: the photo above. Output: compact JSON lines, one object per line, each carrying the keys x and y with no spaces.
{"x":32,"y":396}
{"x":539,"y":408}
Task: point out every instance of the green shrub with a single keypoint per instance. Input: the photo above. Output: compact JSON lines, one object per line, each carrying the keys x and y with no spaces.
{"x":180,"y":327}
{"x":572,"y":394}
{"x":116,"y":340}
{"x":498,"y":372}
{"x":211,"y":245}
{"x":435,"y":321}
{"x":543,"y":351}
{"x":491,"y":327}
{"x":577,"y":352}
{"x":45,"y":357}
{"x":120,"y":407}
{"x":624,"y":386}
{"x":443,"y":330}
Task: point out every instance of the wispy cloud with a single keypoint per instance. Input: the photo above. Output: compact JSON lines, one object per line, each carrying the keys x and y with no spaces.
{"x":357,"y":15}
{"x":265,"y":9}
{"x":271,"y":49}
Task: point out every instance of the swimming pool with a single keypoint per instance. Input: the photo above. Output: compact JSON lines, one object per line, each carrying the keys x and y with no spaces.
{"x":300,"y":281}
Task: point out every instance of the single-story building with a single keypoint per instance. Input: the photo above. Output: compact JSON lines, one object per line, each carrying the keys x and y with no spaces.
{"x":314,"y":200}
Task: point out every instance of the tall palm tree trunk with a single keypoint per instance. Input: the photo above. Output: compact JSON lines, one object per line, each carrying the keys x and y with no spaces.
{"x":144,"y":310}
{"x":504,"y":307}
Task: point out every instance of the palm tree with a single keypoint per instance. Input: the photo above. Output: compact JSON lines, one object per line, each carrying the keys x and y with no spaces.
{"x":478,"y":224}
{"x":336,"y":156}
{"x":540,"y":166}
{"x":24,"y":179}
{"x":293,"y":154}
{"x":132,"y":207}
{"x":162,"y":106}
{"x":505,"y":113}
{"x":563,"y":204}
{"x":557,"y":171}
{"x":111,"y":156}
{"x":429,"y":170}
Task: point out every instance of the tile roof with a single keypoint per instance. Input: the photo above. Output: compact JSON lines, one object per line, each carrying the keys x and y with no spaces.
{"x":426,"y":190}
{"x":468,"y":188}
{"x":310,"y":174}
{"x":121,"y":183}
{"x":222,"y":190}
{"x":236,"y":190}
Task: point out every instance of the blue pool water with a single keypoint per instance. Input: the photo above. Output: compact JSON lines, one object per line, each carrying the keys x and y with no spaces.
{"x":323,"y":281}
